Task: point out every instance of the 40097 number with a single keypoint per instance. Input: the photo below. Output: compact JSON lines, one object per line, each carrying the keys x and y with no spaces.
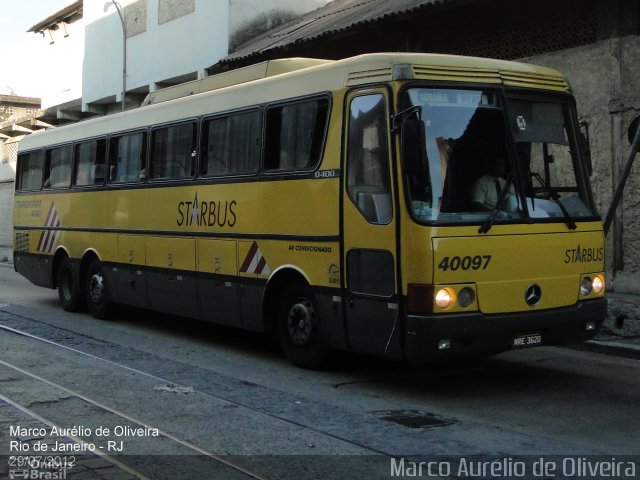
{"x":479,"y":262}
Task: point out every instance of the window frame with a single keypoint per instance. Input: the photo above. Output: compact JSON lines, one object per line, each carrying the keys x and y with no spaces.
{"x":19,"y":172}
{"x":322,"y":142}
{"x":77,"y":144}
{"x":389,"y":142}
{"x":47,"y":165}
{"x":203,"y":159}
{"x":195,"y":164}
{"x":117,"y":135}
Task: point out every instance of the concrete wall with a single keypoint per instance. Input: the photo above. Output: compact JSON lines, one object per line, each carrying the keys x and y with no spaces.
{"x":250,"y":18}
{"x":166,"y":39}
{"x":605,"y":77}
{"x":61,"y":67}
{"x":169,"y":40}
{"x":7,"y":176}
{"x":6,"y":214}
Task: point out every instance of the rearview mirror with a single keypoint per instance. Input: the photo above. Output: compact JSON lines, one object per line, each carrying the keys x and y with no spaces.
{"x":414,"y":157}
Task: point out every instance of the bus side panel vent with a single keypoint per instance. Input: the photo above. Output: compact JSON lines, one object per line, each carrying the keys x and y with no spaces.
{"x":21,"y":243}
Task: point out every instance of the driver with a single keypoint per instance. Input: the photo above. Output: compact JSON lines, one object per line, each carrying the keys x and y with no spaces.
{"x":487,"y":189}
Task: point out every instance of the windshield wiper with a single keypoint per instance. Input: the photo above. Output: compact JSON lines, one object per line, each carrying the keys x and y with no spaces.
{"x":486,"y":226}
{"x":571,"y":224}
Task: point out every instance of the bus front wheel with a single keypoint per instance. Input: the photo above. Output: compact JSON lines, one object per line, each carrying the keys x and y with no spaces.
{"x":299,"y":328}
{"x":69,"y":293}
{"x":96,"y":291}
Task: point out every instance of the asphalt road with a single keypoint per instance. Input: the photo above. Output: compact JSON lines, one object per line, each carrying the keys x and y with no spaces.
{"x":158,"y":396}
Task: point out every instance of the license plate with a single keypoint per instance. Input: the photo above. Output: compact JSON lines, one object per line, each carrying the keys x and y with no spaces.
{"x":529,"y":340}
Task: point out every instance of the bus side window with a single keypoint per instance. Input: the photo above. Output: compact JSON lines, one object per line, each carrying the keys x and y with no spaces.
{"x":90,"y":157}
{"x":173,"y":152}
{"x":127,"y":158}
{"x":57,"y":170}
{"x":368,"y":182}
{"x":30,"y":168}
{"x":231,"y":145}
{"x":294,"y":135}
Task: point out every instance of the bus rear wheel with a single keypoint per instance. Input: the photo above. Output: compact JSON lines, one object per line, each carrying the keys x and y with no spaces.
{"x":97,"y":292}
{"x":300,"y":328}
{"x":69,"y":293}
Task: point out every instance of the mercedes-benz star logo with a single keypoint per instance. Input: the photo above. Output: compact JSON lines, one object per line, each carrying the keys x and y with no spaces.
{"x":533,"y":294}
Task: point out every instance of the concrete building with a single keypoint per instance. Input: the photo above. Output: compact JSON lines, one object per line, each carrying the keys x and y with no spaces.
{"x":167,"y":42}
{"x":596,"y":43}
{"x":63,"y":41}
{"x":12,"y":107}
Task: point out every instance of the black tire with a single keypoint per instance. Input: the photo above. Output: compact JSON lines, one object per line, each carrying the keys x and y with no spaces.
{"x":300,"y":328}
{"x":96,"y":291}
{"x":69,"y":292}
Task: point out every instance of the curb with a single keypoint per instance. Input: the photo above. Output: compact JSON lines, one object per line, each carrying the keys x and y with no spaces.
{"x":625,"y":350}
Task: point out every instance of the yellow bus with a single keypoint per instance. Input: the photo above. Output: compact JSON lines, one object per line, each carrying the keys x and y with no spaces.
{"x":408,"y":206}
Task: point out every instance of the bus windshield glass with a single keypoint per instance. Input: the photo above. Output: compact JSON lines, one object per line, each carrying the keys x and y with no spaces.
{"x":466,"y":160}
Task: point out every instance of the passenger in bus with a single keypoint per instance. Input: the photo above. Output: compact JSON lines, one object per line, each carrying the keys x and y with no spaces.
{"x":487,"y":189}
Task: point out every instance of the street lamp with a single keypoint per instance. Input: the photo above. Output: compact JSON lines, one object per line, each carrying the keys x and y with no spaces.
{"x":124,"y":45}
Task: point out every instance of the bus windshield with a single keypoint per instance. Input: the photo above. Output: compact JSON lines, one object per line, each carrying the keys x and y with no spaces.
{"x":475,"y":155}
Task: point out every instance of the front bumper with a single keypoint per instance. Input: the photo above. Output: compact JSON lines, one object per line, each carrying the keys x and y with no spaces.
{"x":475,"y":333}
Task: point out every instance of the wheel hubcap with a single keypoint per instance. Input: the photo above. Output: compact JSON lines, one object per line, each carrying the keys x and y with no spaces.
{"x":301,"y":322}
{"x":96,"y":288}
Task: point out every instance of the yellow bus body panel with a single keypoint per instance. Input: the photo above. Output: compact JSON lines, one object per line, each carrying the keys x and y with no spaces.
{"x":512,"y":262}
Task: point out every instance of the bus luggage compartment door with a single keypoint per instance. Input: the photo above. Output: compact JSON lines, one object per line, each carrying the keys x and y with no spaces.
{"x":171,"y":275}
{"x":130,"y":281}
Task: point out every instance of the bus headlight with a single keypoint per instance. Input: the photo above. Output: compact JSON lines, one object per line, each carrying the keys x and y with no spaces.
{"x":445,"y":297}
{"x":423,"y":299}
{"x":592,"y":285}
{"x":598,"y":284}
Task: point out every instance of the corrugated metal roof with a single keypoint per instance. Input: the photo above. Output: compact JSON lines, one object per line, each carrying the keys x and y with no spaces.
{"x":335,"y":17}
{"x":74,"y":9}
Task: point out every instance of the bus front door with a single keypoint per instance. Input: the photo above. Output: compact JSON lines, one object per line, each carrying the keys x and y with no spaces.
{"x":369,"y":231}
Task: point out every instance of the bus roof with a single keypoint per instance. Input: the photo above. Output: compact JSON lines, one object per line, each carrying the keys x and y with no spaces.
{"x":289,"y":78}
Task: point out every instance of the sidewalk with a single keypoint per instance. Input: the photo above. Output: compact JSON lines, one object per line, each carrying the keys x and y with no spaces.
{"x":620,"y":334}
{"x":6,"y":255}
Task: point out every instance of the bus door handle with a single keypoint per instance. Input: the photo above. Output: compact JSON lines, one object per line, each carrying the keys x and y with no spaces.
{"x":351,"y":301}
